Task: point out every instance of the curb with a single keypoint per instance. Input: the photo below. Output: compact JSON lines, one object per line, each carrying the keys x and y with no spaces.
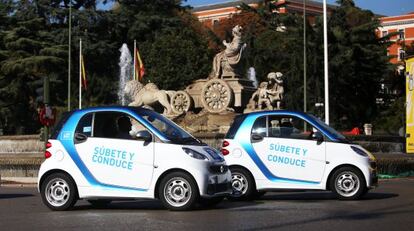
{"x":19,"y":181}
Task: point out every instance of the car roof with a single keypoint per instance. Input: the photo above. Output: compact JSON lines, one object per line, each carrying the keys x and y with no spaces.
{"x":110,"y":107}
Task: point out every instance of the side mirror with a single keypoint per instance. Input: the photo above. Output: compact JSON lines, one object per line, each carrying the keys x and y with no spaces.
{"x":144,"y":135}
{"x":256,"y":138}
{"x":318,"y":137}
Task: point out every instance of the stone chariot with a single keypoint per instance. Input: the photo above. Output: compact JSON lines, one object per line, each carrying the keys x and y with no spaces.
{"x":224,"y":89}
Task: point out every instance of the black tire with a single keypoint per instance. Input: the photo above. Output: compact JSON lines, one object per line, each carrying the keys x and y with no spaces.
{"x":178,"y":191}
{"x":59,"y":192}
{"x":347,"y":183}
{"x":210,"y":202}
{"x":99,"y":203}
{"x":244,"y":186}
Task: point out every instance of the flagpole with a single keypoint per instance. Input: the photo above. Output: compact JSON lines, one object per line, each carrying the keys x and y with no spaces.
{"x":325,"y":46}
{"x":80,"y":73}
{"x":69,"y":50}
{"x":135,"y":59}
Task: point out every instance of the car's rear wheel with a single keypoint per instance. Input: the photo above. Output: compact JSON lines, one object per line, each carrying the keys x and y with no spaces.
{"x":178,"y":191}
{"x":244,"y":187}
{"x":59,"y":192}
{"x":348,"y":183}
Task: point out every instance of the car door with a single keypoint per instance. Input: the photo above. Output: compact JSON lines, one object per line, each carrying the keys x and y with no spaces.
{"x":289,"y":148}
{"x":110,"y":154}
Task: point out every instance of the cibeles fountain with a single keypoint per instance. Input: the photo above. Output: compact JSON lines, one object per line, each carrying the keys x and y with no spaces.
{"x":210,"y":104}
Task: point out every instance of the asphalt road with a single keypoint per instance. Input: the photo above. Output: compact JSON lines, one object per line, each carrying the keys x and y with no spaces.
{"x":389,"y":207}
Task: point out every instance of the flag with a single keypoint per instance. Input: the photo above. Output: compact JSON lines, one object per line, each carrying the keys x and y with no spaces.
{"x":83,"y":73}
{"x":139,"y":66}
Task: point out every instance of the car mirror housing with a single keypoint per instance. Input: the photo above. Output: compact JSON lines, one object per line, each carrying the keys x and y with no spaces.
{"x":144,"y":135}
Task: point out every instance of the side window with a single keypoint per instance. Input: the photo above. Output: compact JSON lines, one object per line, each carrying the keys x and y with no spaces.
{"x":85,"y":125}
{"x":115,"y":125}
{"x":290,"y":127}
{"x":259,"y":127}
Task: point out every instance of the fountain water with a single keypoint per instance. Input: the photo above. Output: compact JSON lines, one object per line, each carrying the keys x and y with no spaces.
{"x":125,"y":71}
{"x":251,"y":74}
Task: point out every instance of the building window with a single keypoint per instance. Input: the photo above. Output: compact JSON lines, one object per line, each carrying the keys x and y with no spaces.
{"x":215,"y":22}
{"x":401,"y":34}
{"x":401,"y":54}
{"x":384,"y":33}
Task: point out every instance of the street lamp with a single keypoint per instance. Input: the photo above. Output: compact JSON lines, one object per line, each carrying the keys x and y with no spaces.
{"x":325,"y":49}
{"x":69,"y":49}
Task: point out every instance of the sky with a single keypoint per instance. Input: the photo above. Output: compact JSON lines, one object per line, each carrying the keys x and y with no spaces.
{"x":382,"y":7}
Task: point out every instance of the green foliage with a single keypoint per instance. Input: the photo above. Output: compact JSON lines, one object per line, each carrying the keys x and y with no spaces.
{"x":357,"y":60}
{"x":33,"y":44}
{"x":29,"y":54}
{"x":357,"y":64}
{"x":391,"y":120}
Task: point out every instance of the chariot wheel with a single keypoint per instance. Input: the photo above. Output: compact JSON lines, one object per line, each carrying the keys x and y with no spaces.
{"x":181,"y":102}
{"x":216,"y":95}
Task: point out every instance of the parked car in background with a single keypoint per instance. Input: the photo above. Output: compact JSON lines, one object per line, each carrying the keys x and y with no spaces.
{"x":274,"y":150}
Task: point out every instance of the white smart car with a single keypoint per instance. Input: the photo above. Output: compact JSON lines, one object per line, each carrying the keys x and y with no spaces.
{"x":273,"y":150}
{"x":106,"y":153}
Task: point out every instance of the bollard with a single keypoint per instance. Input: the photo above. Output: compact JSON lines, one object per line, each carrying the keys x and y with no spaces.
{"x":368,"y":129}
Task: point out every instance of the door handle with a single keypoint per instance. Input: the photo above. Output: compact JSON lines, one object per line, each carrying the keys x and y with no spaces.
{"x":80,"y":138}
{"x":256,"y":138}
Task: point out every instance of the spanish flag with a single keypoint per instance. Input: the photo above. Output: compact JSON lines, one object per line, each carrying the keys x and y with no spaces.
{"x":139,"y":66}
{"x":83,"y":73}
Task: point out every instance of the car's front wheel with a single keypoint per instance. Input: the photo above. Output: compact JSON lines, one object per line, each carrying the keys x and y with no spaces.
{"x":178,"y":191}
{"x":59,"y":192}
{"x":348,"y":183}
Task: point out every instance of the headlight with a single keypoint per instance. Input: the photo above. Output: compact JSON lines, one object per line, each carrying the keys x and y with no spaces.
{"x":195,"y":154}
{"x":363,"y":152}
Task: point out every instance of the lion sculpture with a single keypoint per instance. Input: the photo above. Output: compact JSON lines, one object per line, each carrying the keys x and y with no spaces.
{"x":146,"y":95}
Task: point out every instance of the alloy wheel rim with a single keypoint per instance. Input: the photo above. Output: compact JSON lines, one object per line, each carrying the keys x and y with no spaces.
{"x":57,"y":192}
{"x":177,"y":192}
{"x":239,"y":184}
{"x":347,"y":184}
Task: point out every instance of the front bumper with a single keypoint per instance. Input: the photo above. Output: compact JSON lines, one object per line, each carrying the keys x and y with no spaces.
{"x":217,"y":183}
{"x":374,"y":179}
{"x":222,"y":189}
{"x":373,"y":174}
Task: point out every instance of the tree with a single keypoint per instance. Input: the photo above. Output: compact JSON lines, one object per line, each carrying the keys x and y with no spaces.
{"x":167,"y":28}
{"x":29,"y":54}
{"x":357,"y":63}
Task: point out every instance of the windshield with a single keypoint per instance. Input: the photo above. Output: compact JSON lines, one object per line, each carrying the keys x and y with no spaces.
{"x":326,"y":127}
{"x":168,"y":128}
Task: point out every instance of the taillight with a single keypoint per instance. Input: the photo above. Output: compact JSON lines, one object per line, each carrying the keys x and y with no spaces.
{"x":47,"y":153}
{"x":225,"y":151}
{"x":225,"y":143}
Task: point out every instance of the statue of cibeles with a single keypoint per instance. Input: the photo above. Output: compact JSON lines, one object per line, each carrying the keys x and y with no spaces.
{"x":226,"y":62}
{"x":147,"y":95}
{"x":269,"y":95}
